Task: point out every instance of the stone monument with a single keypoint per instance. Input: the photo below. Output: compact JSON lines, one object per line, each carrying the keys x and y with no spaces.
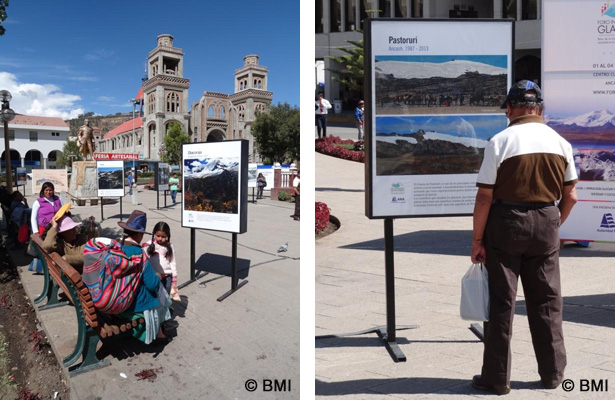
{"x":83,"y":181}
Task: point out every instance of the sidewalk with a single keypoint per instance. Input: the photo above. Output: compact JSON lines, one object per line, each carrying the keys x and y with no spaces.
{"x":432,"y":255}
{"x":253,"y":334}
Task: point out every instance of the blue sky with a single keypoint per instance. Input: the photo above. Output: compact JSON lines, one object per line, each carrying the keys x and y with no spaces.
{"x":62,"y":58}
{"x":479,"y":126}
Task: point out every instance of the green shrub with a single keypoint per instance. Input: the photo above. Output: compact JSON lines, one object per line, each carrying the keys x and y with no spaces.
{"x":283,"y":196}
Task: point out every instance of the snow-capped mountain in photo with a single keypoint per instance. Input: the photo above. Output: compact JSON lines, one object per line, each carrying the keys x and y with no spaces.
{"x":210,"y":167}
{"x":592,"y":119}
{"x":423,"y":70}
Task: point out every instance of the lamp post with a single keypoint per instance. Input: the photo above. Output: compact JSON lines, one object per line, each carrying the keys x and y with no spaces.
{"x":7,"y":115}
{"x":134,"y":151}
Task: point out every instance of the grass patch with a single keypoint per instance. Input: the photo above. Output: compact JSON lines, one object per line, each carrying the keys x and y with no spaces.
{"x":5,"y":375}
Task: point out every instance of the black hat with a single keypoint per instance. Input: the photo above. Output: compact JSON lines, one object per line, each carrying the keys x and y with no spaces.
{"x":136,"y":222}
{"x":519,"y":92}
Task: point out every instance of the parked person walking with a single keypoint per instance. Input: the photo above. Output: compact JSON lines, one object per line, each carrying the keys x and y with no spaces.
{"x":322,"y":109}
{"x":296,"y":193}
{"x":526,"y":190}
{"x":358,"y":114}
{"x":173,"y":182}
{"x":261,"y":182}
{"x":130,"y":182}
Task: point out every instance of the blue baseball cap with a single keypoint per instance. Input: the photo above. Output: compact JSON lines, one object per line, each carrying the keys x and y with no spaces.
{"x":519,"y":92}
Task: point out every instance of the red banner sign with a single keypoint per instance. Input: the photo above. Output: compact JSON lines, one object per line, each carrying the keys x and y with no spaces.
{"x":116,"y":156}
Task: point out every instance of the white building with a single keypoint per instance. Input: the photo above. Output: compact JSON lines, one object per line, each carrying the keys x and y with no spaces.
{"x":35,"y":142}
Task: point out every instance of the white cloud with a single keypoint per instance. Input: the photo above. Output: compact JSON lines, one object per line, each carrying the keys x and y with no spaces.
{"x":44,"y":100}
{"x":105,"y":99}
{"x":99,"y":54}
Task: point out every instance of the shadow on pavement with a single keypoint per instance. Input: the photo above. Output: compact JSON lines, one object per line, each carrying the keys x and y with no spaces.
{"x":365,"y":341}
{"x":600,"y":309}
{"x":128,"y":347}
{"x":453,"y":243}
{"x":221,"y":265}
{"x":458,"y":243}
{"x":426,"y":385}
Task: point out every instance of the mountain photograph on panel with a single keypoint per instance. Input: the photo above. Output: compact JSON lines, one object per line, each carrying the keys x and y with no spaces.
{"x":440,"y":84}
{"x":592,"y":136}
{"x":434,"y":144}
{"x":212,"y":185}
{"x":163,"y":174}
{"x":110,"y":178}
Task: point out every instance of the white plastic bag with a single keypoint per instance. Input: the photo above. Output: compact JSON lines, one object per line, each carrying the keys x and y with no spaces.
{"x":475,"y":294}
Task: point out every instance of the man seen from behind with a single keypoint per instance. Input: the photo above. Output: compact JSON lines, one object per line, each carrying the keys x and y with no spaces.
{"x":526,"y":190}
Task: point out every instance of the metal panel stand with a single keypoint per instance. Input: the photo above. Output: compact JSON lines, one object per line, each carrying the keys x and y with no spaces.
{"x":193,"y":278}
{"x":235,"y":285}
{"x":121,"y":211}
{"x":102,"y":215}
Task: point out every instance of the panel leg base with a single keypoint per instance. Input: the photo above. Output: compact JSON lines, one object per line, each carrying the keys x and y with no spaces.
{"x":230,"y":292}
{"x":392,"y":347}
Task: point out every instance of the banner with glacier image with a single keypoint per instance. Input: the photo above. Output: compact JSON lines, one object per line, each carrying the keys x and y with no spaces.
{"x":579,"y":92}
{"x":215,"y":185}
{"x":434,"y":105}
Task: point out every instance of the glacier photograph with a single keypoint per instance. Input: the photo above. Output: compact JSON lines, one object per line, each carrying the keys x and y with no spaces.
{"x":211,"y":184}
{"x":440,"y":84}
{"x":433,"y":145}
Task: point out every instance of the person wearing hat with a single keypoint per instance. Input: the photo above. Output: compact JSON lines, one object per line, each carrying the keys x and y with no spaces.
{"x":358,"y":115}
{"x":526,"y":190}
{"x":147,"y":303}
{"x":62,"y":238}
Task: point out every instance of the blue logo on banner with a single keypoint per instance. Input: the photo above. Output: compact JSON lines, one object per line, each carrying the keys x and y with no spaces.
{"x":607,"y":221}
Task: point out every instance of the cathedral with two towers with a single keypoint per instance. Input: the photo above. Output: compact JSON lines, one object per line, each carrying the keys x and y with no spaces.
{"x":163,"y":99}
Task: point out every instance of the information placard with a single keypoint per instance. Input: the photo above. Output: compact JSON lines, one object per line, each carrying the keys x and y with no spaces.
{"x":110,"y":176}
{"x":215,"y":182}
{"x":252,"y":174}
{"x":579,"y":91}
{"x":163,"y":176}
{"x":432,"y":106}
{"x":59,"y":178}
{"x":22,"y":177}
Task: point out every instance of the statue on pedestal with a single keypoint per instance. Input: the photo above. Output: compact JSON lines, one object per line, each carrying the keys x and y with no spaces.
{"x":85,"y":140}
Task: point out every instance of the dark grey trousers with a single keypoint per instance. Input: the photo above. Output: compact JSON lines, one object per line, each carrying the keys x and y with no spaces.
{"x":524,"y":242}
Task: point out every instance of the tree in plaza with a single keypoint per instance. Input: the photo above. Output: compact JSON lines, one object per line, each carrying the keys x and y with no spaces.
{"x":173,"y":143}
{"x":351,"y":75}
{"x":276,"y":133}
{"x":3,"y":5}
{"x":70,"y":152}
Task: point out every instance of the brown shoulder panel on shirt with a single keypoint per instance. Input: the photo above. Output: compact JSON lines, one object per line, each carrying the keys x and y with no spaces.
{"x":536,"y":177}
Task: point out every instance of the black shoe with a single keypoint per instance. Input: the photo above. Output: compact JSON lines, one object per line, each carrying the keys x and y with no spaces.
{"x":477,"y":383}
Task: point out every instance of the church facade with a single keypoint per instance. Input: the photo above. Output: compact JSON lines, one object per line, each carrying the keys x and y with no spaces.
{"x":164,"y":99}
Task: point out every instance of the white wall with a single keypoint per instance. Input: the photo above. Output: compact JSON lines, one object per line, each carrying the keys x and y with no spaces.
{"x":46,"y":142}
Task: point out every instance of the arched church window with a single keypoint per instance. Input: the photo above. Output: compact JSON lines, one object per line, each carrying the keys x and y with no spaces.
{"x":151,"y":103}
{"x":210,"y":113}
{"x":222,"y":112}
{"x":173,"y":102}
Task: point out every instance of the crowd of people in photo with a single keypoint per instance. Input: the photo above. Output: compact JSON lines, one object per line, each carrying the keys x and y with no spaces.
{"x":440,"y":100}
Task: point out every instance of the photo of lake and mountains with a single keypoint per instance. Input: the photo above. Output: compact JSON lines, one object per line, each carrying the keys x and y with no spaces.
{"x":458,"y":84}
{"x":434,"y":144}
{"x":212,"y":185}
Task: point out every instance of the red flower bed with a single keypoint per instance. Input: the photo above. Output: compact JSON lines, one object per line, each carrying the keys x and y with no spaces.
{"x":330,"y":146}
{"x":321,"y":216}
